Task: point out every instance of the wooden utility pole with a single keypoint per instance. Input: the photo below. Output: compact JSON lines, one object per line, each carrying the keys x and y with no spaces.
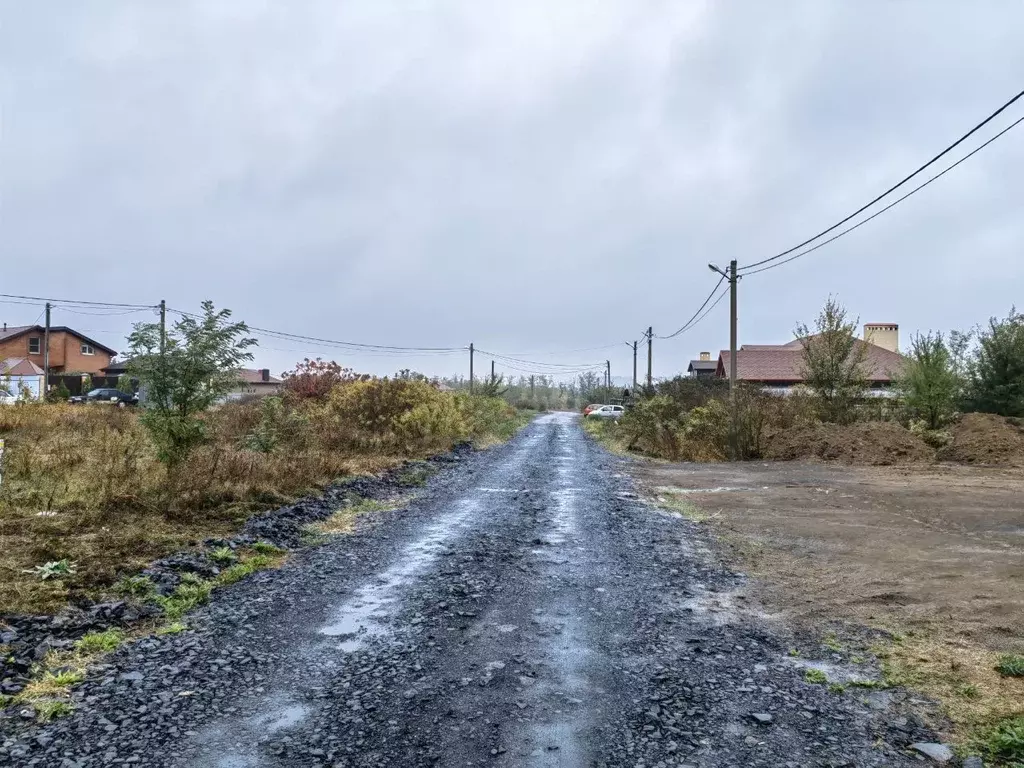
{"x":471,"y":368}
{"x":163,"y":328}
{"x":650,"y":358}
{"x":734,"y":427}
{"x":608,"y":377}
{"x":492,"y":371}
{"x":531,"y":386}
{"x":634,"y":368}
{"x":733,"y":278}
{"x":46,"y":353}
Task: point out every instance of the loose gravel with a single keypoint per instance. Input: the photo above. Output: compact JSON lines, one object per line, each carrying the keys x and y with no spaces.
{"x":526,"y":608}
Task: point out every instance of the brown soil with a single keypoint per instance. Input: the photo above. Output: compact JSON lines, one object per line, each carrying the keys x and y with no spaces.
{"x":934,"y":552}
{"x":983,"y":438}
{"x":873,"y":443}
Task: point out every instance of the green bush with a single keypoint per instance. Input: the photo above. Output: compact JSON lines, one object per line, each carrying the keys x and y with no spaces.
{"x":655,"y":427}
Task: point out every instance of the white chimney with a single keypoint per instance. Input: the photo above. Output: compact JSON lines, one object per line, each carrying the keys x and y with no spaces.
{"x":884,"y":335}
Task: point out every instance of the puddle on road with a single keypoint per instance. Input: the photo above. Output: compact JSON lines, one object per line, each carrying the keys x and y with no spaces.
{"x":282,"y":714}
{"x":362,"y":616}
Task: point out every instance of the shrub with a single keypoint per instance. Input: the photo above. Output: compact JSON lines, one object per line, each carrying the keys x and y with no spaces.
{"x":655,"y":427}
{"x":315,"y":379}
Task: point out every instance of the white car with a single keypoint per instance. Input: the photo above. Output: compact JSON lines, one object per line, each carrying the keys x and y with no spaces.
{"x":607,"y":412}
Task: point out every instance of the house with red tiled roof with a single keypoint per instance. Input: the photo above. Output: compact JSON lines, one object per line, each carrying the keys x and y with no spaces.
{"x":19,"y":375}
{"x":780,"y":366}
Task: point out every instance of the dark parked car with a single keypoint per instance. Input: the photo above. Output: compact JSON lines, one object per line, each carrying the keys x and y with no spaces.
{"x":104,"y":395}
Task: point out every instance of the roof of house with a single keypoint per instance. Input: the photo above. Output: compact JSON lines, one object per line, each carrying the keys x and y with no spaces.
{"x":703,"y":365}
{"x":255,"y":376}
{"x":19,"y":366}
{"x":13,"y":332}
{"x":784,"y":363}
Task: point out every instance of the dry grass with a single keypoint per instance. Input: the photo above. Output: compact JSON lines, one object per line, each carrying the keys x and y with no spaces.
{"x":343,"y":521}
{"x":82,"y":483}
{"x":960,"y":674}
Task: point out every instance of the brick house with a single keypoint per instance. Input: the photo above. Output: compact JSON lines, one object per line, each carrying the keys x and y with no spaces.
{"x":780,"y":367}
{"x":70,"y":351}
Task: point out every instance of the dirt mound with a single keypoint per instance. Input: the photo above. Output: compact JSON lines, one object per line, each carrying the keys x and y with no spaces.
{"x":875,"y":443}
{"x":984,"y":438}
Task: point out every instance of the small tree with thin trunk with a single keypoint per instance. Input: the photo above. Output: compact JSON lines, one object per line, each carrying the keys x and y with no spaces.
{"x":929,"y":382}
{"x":833,"y":362}
{"x":198,"y":366}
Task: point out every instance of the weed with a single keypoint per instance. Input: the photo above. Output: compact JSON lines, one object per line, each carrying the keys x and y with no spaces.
{"x":878,"y":684}
{"x":415,"y":476}
{"x":172,"y":629}
{"x":815,"y":676}
{"x":836,"y":687}
{"x":1004,"y":742}
{"x":67,"y":677}
{"x":55,"y":569}
{"x":856,"y":659}
{"x":188,"y":595}
{"x":135,"y":586}
{"x":266,"y":548}
{"x":794,"y":652}
{"x":684,"y":507}
{"x":1010,"y":665}
{"x":100,"y":642}
{"x":344,"y":519}
{"x":223,"y":555}
{"x":51,"y":710}
{"x":191,"y":578}
{"x":831,"y":642}
{"x":967,"y":691}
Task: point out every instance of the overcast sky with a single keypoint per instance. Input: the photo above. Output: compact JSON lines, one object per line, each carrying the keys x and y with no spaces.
{"x":528,"y":176}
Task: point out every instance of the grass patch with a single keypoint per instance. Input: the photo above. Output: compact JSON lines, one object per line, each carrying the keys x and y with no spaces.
{"x":1010,"y":665}
{"x":607,"y":432}
{"x":223,"y":556}
{"x":100,"y":642}
{"x":172,"y":628}
{"x":51,"y":710}
{"x":679,"y":504}
{"x":831,"y":642}
{"x":343,"y":520}
{"x":266,"y":548}
{"x":815,"y":676}
{"x":964,"y":677}
{"x":1003,"y":743}
{"x":836,"y":687}
{"x":189,"y":594}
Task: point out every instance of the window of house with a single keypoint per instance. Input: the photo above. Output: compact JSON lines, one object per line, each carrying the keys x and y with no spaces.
{"x":34,"y":345}
{"x":88,"y":350}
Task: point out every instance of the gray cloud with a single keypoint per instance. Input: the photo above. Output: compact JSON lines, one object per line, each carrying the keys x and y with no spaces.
{"x":528,"y":176}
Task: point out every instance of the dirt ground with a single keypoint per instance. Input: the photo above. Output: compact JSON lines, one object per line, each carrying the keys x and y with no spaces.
{"x":935,"y":552}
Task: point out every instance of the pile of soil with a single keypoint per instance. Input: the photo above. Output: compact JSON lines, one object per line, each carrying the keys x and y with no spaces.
{"x":874,"y":443}
{"x":984,"y":438}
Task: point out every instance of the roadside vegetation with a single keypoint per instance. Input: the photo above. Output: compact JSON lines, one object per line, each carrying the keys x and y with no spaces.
{"x":979,"y":375}
{"x":91,"y":494}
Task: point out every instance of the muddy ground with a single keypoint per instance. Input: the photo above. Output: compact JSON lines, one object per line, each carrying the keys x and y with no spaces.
{"x":913,"y":546}
{"x":525,"y":609}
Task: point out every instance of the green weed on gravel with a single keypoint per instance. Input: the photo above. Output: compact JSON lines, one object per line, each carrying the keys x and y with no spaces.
{"x":815,"y":676}
{"x":1004,"y":743}
{"x":51,"y":710}
{"x":100,"y":642}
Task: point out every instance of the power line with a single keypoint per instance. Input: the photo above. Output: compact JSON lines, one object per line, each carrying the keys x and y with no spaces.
{"x":351,"y":345}
{"x":860,"y":210}
{"x":76,"y":302}
{"x":890,"y":205}
{"x":536,"y":362}
{"x":690,"y":323}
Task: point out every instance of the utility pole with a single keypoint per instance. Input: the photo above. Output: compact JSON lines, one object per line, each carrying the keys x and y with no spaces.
{"x":734,"y":420}
{"x":634,"y":368}
{"x":492,"y":371}
{"x":531,"y":386}
{"x":650,"y":358}
{"x":163,"y":328}
{"x":46,"y":353}
{"x":608,"y":377}
{"x":471,"y":368}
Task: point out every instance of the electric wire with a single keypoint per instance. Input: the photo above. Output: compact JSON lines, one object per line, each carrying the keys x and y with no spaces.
{"x":893,"y":188}
{"x":688,"y":324}
{"x":889,"y":206}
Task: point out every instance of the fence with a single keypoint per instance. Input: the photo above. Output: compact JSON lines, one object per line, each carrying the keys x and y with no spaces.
{"x":73,"y":382}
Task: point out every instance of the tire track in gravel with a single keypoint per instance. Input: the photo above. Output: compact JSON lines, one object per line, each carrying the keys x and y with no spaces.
{"x":526,"y":610}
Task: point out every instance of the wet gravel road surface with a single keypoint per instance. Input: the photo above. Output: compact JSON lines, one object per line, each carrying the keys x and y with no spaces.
{"x":525,"y":609}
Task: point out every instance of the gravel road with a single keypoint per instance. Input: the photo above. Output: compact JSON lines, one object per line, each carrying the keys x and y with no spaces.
{"x":526,"y":608}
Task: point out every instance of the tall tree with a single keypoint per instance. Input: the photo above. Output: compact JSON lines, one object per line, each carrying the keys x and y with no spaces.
{"x":997,"y":370}
{"x":929,"y":382}
{"x":834,"y":362}
{"x":184,"y":374}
